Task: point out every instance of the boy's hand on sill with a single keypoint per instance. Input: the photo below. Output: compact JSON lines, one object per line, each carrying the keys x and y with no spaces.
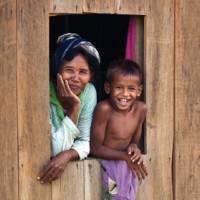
{"x":135,"y":153}
{"x":139,"y":170}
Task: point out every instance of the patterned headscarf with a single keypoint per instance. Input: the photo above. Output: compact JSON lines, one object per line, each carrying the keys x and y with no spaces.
{"x":65,"y":44}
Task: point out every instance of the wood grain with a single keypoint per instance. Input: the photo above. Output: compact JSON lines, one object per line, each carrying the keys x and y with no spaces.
{"x":32,"y":94}
{"x":187,"y":104}
{"x":136,"y":7}
{"x":8,"y":98}
{"x":159,"y":73}
{"x":92,"y":179}
{"x":71,"y":185}
{"x":65,"y":6}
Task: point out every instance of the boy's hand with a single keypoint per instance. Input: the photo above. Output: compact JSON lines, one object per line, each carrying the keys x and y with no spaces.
{"x":135,"y":153}
{"x":138,"y":170}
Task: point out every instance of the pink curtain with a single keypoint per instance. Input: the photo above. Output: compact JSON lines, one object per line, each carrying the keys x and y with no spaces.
{"x":130,"y":42}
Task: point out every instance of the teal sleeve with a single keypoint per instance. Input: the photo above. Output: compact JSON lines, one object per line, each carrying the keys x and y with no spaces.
{"x":63,"y":133}
{"x":82,"y":143}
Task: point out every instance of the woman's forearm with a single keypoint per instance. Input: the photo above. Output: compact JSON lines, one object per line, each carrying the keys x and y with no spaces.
{"x":73,"y":113}
{"x":71,"y":155}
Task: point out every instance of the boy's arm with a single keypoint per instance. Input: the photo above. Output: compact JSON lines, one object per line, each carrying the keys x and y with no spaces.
{"x":100,"y":120}
{"x":136,"y":137}
{"x":134,"y":147}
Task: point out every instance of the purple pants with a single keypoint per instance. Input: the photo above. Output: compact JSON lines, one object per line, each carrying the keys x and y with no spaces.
{"x":119,"y":180}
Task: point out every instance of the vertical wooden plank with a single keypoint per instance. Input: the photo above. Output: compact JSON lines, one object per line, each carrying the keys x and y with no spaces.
{"x":187,"y":100}
{"x":159,"y":62}
{"x":92,"y":180}
{"x":32,"y":95}
{"x":71,"y":183}
{"x":8,"y":106}
{"x":66,"y":6}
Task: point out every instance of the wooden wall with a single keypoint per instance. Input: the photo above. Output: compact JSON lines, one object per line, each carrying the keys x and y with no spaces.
{"x":159,"y":60}
{"x":8,"y":98}
{"x":32,"y":96}
{"x":187,"y":101}
{"x":172,"y":43}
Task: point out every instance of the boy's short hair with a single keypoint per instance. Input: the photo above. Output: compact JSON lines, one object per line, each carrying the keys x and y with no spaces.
{"x":124,"y":67}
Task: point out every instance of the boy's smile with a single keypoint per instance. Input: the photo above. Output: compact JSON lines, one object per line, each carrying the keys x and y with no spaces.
{"x":123,"y":90}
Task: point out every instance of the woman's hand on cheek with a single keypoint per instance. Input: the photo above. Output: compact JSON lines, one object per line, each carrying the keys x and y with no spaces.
{"x":54,"y":168}
{"x":65,"y":94}
{"x":68,"y":99}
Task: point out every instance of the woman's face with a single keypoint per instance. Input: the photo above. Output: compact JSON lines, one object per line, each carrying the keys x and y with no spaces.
{"x":76,"y":72}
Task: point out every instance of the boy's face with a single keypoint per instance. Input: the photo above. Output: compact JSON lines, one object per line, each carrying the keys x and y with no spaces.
{"x":123,"y":90}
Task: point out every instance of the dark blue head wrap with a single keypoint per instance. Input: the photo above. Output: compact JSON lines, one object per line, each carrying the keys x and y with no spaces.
{"x":65,"y":44}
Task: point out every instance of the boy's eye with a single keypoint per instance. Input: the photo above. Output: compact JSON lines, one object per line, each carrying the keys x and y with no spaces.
{"x":118,"y":87}
{"x":132,"y":88}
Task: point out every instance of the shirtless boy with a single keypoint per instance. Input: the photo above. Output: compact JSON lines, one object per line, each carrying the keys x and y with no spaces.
{"x":116,"y":130}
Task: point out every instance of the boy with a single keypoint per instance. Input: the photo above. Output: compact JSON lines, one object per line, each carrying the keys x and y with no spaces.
{"x":116,"y":130}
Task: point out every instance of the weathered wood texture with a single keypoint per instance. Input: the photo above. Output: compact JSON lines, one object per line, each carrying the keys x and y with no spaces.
{"x":92,"y":178}
{"x":8,"y":99}
{"x":137,"y":7}
{"x":32,"y":96}
{"x":80,"y":181}
{"x":187,"y":104}
{"x":159,"y":61}
{"x":66,"y":6}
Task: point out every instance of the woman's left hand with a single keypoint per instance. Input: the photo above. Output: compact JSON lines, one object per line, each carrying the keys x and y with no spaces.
{"x":54,"y":167}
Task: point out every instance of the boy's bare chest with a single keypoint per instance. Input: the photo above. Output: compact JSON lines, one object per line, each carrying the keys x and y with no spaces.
{"x":122,"y":127}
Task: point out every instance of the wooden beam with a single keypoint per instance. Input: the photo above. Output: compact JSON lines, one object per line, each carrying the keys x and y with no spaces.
{"x":33,"y":96}
{"x":81,"y":180}
{"x":8,"y":98}
{"x":187,"y":100}
{"x":131,"y":7}
{"x":159,"y":73}
{"x":71,"y":184}
{"x":65,"y":6}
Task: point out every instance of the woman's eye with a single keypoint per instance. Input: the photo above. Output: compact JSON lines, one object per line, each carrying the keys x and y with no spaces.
{"x":83,"y":72}
{"x":68,"y":70}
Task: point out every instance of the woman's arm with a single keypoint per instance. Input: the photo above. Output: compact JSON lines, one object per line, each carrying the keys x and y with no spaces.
{"x":64,"y":135}
{"x":89,"y":100}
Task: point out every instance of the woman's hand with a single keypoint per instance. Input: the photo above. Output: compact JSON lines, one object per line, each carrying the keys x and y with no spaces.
{"x":135,"y":153}
{"x":67,"y":98}
{"x":55,"y":167}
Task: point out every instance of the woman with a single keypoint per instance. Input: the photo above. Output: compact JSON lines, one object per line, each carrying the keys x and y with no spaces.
{"x":72,"y":101}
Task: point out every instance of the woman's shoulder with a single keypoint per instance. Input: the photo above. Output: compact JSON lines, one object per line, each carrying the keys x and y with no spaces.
{"x":89,"y":92}
{"x":89,"y":88}
{"x":88,"y":96}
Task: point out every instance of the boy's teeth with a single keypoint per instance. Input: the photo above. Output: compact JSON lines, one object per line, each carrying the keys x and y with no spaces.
{"x":123,"y":100}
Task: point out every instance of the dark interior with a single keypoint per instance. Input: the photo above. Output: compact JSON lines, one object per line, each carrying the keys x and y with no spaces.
{"x":107,"y":32}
